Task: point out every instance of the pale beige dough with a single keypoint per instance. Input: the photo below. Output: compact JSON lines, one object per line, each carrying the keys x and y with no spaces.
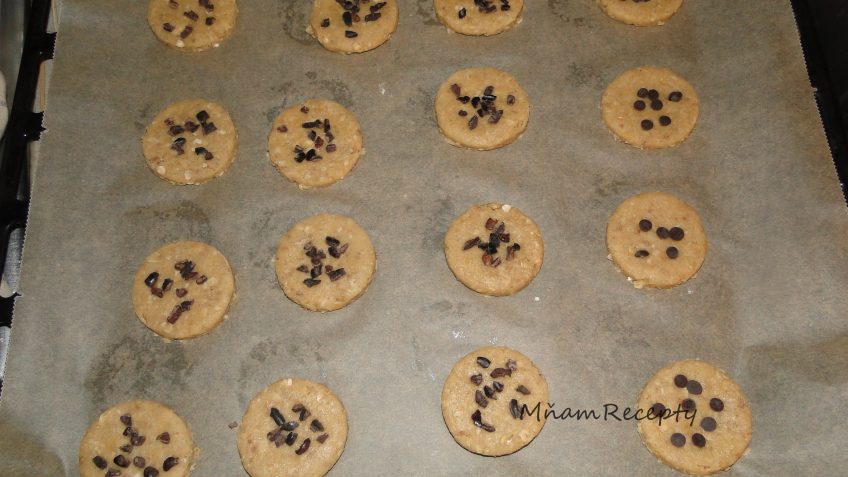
{"x":487,"y":135}
{"x":148,"y":419}
{"x":625,"y":121}
{"x":262,"y":458}
{"x":724,"y":445}
{"x":288,"y":132}
{"x":510,"y":434}
{"x":641,"y":13}
{"x":359,"y":262}
{"x":211,"y":299}
{"x":475,"y":22}
{"x":656,"y":270}
{"x":511,"y":275}
{"x":203,"y":36}
{"x":191,"y":167}
{"x":370,"y":34}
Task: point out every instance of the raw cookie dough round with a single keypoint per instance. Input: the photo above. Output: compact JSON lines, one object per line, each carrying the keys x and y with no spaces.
{"x":325,"y":262}
{"x":640,"y":12}
{"x":501,"y":428}
{"x":315,"y":143}
{"x":190,"y":306}
{"x":503,"y":120}
{"x":292,"y":427}
{"x":468,"y":18}
{"x":192,"y":25}
{"x":365,"y":26}
{"x":650,"y":108}
{"x":134,"y":436}
{"x":498,"y":270}
{"x":646,"y":230}
{"x":182,"y":149}
{"x":715,"y":431}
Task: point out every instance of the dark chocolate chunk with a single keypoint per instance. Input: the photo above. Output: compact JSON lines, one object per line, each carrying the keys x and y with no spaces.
{"x":477,"y":379}
{"x":191,"y":126}
{"x":658,"y":409}
{"x":336,"y":274}
{"x":168,"y":27}
{"x":500,"y":372}
{"x":304,"y":109}
{"x":347,"y":17}
{"x":641,"y":253}
{"x":645,"y":225}
{"x":699,"y":440}
{"x":480,"y":399}
{"x":322,"y":438}
{"x":675,"y":96}
{"x":176,"y":130}
{"x":678,"y":439}
{"x":166,"y":284}
{"x":201,"y":279}
{"x":642,"y":93}
{"x":523,"y":389}
{"x":514,"y":409}
{"x":149,"y":281}
{"x":499,"y":387}
{"x":209,"y":21}
{"x":688,"y":405}
{"x":351,"y":34}
{"x":372,"y":17}
{"x":647,"y":124}
{"x":290,"y":426}
{"x":676,"y":234}
{"x":471,"y":243}
{"x":511,"y":365}
{"x":126,"y":448}
{"x":656,"y":105}
{"x":489,"y":392}
{"x":277,"y":416}
{"x":716,"y":404}
{"x":325,"y":23}
{"x":311,"y":282}
{"x":181,"y":292}
{"x":693,"y":386}
{"x":312,"y":124}
{"x":472,"y":123}
{"x":139,"y":461}
{"x":191,"y":15}
{"x":462,"y":13}
{"x":477,"y":419}
{"x":202,"y":116}
{"x":680,"y":381}
{"x":331,"y":148}
{"x":665,"y":120}
{"x":639,"y":105}
{"x":653,"y":94}
{"x":186,"y":32}
{"x":304,"y":446}
{"x":137,"y":440}
{"x":169,"y":463}
{"x":164,"y":438}
{"x":672,"y":253}
{"x":662,"y":232}
{"x":483,"y":362}
{"x":151,"y":472}
{"x":100,"y":462}
{"x":316,"y":426}
{"x":209,"y":128}
{"x":291,"y":438}
{"x":113,"y":473}
{"x":121,"y":461}
{"x":708,"y":424}
{"x":510,"y":100}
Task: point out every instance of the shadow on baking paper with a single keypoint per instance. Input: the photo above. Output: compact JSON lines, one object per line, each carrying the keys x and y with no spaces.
{"x":22,"y":455}
{"x":294,"y":17}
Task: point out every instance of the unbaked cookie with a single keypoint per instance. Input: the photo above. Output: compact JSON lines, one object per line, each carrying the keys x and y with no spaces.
{"x":482,"y":108}
{"x":650,"y":107}
{"x":641,"y":12}
{"x":315,"y":143}
{"x":486,"y":17}
{"x":183,"y":290}
{"x":484,"y":399}
{"x":190,"y":142}
{"x":494,"y":249}
{"x":352,"y":26}
{"x":192,"y":25}
{"x":292,"y":427}
{"x":137,"y":439}
{"x":699,"y":421}
{"x":325,"y":262}
{"x":657,"y":240}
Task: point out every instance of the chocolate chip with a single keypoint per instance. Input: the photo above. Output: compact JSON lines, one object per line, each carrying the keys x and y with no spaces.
{"x":471,"y":243}
{"x":523,"y":390}
{"x":708,"y":424}
{"x":641,"y":253}
{"x":489,"y":392}
{"x":277,"y":416}
{"x":665,"y":120}
{"x":164,"y":438}
{"x":121,"y":461}
{"x":477,"y":379}
{"x":347,"y":17}
{"x":647,"y":124}
{"x":510,"y":100}
{"x":113,"y":473}
{"x":653,"y":94}
{"x":688,"y":405}
{"x":304,"y":109}
{"x":137,"y":440}
{"x":656,"y":105}
{"x":169,"y":463}
{"x":499,"y":387}
{"x":126,"y":448}
{"x":139,"y":461}
{"x":351,"y":34}
{"x":716,"y":404}
{"x":181,"y":292}
{"x":511,"y":365}
{"x":206,"y":4}
{"x":500,"y":372}
{"x":462,"y":13}
{"x":472,"y":123}
{"x":291,"y":438}
{"x":100,"y":462}
{"x":639,"y":105}
{"x":149,"y":281}
{"x":336,"y":274}
{"x":645,"y":225}
{"x":128,"y":431}
{"x":325,"y":23}
{"x":168,"y":27}
{"x":322,"y":438}
{"x":209,"y":21}
{"x":678,"y":439}
{"x":372,"y":17}
{"x":692,"y":386}
{"x":300,"y":408}
{"x":311,"y":282}
{"x":658,"y":409}
{"x":680,"y":381}
{"x":201,"y":279}
{"x":151,"y":472}
{"x":209,"y":128}
{"x":477,"y":419}
{"x":480,"y":399}
{"x":676,"y":234}
{"x":331,"y":148}
{"x":316,"y":426}
{"x":514,"y":409}
{"x":176,"y":130}
{"x":483,"y":362}
{"x":675,"y":96}
{"x":642,"y":93}
{"x":191,"y":126}
{"x":662,"y":233}
{"x":304,"y":446}
{"x":290,"y":426}
{"x":672,"y":252}
{"x":186,"y":32}
{"x":191,"y":15}
{"x":699,"y":440}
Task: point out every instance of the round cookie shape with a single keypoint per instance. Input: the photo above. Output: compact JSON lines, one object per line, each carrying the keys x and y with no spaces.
{"x":353,"y":26}
{"x":650,"y":108}
{"x":482,"y":109}
{"x":292,"y":427}
{"x":183,"y":290}
{"x":315,"y":143}
{"x":494,"y":249}
{"x":190,"y":142}
{"x":325,"y":262}
{"x":192,"y":25}
{"x":486,"y":18}
{"x":484,"y":399}
{"x":137,"y":439}
{"x":699,"y":421}
{"x":641,"y":12}
{"x":657,"y":240}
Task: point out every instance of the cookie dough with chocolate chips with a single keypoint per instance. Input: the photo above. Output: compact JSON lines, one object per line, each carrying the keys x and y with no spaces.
{"x":714,"y":433}
{"x":325,"y":262}
{"x":494,"y":249}
{"x":484,"y":397}
{"x":482,"y":108}
{"x":190,"y":142}
{"x":352,"y":26}
{"x":315,"y":143}
{"x":650,"y":108}
{"x":192,"y":25}
{"x":183,"y":290}
{"x":486,"y":17}
{"x":657,"y":240}
{"x":137,"y":439}
{"x":292,"y":427}
{"x":641,"y":12}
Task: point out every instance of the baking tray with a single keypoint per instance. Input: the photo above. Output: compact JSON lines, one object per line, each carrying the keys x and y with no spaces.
{"x":768,"y":305}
